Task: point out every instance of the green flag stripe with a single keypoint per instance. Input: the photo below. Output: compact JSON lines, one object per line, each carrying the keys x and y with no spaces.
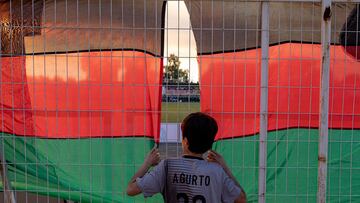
{"x":292,"y":165}
{"x":98,"y":169}
{"x":85,"y":170}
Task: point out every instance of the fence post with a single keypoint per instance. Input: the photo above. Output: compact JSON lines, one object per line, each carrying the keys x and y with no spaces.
{"x":324,"y":100}
{"x":8,"y":193}
{"x":9,"y":196}
{"x":263,"y":99}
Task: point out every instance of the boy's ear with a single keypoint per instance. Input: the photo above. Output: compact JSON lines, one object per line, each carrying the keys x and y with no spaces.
{"x":185,"y":141}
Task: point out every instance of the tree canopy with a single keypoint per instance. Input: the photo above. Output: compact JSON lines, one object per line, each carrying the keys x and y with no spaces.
{"x":172,"y":71}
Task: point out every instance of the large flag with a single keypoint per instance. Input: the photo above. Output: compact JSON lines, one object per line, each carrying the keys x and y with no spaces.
{"x":228,"y":36}
{"x":80,"y":94}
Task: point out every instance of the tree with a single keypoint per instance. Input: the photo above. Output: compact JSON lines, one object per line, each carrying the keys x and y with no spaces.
{"x":172,"y":71}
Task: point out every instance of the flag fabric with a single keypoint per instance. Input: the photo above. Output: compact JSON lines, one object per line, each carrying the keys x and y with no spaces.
{"x":230,"y":91}
{"x":80,"y":94}
{"x":227,"y":35}
{"x":230,"y":84}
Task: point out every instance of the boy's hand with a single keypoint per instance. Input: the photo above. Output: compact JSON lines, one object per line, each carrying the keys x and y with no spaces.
{"x":217,"y":158}
{"x":153,"y":157}
{"x":213,"y":156}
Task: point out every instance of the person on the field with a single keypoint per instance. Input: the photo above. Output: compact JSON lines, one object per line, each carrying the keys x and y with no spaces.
{"x":189,"y":178}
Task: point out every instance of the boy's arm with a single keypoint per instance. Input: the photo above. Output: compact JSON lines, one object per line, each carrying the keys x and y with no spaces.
{"x":152,"y":159}
{"x":216,"y":157}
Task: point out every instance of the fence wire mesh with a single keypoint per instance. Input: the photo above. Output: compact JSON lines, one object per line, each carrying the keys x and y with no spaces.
{"x":88,"y":87}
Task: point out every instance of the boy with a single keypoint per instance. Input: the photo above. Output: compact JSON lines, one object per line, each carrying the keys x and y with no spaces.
{"x":190,"y":178}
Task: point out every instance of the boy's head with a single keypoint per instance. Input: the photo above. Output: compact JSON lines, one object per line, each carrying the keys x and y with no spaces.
{"x":199,"y":129}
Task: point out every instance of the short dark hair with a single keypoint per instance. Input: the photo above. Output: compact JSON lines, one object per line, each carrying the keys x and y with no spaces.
{"x":200,"y":130}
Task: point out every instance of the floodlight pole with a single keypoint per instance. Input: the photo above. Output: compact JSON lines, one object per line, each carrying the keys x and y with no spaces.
{"x":263,"y":99}
{"x":324,"y":100}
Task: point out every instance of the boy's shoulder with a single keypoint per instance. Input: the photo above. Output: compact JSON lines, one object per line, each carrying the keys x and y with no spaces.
{"x":210,"y":166}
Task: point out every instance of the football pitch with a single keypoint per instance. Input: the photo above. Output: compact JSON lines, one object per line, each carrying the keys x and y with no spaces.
{"x":174,"y":112}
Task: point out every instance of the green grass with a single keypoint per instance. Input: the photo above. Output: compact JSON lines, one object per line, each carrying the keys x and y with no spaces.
{"x":174,"y":112}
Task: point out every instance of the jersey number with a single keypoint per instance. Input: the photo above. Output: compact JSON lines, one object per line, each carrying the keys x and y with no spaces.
{"x":185,"y":198}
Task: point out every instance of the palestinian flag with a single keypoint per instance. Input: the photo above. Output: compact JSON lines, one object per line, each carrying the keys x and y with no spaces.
{"x":80,"y":94}
{"x":228,"y":35}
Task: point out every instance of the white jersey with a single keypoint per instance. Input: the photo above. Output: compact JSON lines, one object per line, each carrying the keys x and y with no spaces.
{"x":189,"y":179}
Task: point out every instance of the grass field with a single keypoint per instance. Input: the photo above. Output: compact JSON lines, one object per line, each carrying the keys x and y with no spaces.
{"x":174,"y":112}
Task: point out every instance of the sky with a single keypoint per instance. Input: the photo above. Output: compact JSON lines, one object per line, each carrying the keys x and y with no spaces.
{"x":179,"y":38}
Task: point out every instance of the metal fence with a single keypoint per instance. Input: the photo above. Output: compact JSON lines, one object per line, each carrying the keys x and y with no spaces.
{"x":280,"y":76}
